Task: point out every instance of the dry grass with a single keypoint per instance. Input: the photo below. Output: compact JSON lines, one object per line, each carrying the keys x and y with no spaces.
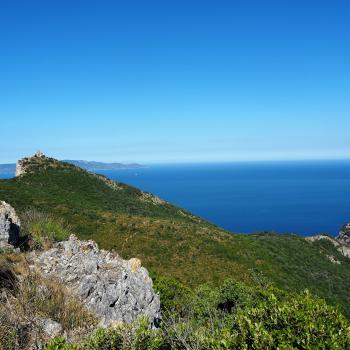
{"x":43,"y":229}
{"x":27,"y":299}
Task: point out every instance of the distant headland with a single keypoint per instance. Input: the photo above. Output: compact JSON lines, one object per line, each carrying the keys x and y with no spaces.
{"x":85,"y":164}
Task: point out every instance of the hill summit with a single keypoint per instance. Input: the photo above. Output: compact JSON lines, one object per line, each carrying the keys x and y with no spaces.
{"x":23,"y":165}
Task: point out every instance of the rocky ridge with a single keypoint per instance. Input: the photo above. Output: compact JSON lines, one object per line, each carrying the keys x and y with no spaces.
{"x":114,"y":289}
{"x":40,"y":160}
{"x":340,"y":242}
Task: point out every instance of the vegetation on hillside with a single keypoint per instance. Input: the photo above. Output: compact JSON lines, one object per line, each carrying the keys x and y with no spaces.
{"x":170,"y":241}
{"x":231,"y":316}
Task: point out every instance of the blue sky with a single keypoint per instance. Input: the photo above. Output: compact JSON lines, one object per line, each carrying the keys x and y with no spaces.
{"x":175,"y":81}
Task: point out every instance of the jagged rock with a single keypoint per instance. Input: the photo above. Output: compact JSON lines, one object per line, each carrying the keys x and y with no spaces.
{"x":112,"y":288}
{"x":344,"y":235}
{"x":9,"y":225}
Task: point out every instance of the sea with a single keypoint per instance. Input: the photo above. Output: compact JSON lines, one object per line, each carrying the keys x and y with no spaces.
{"x":300,"y":197}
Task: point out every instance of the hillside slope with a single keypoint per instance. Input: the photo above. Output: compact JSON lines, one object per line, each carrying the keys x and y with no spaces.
{"x":171,"y":241}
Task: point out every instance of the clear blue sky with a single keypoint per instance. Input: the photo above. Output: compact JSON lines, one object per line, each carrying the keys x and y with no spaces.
{"x":172,"y":81}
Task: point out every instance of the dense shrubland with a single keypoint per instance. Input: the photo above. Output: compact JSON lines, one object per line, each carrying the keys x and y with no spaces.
{"x":232,"y":316}
{"x":201,"y":307}
{"x":168,"y":242}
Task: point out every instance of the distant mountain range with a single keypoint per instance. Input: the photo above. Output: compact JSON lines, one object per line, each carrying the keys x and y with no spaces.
{"x":87,"y":165}
{"x":96,"y":166}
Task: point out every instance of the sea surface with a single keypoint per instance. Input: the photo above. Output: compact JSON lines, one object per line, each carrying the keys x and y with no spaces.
{"x":305,"y":198}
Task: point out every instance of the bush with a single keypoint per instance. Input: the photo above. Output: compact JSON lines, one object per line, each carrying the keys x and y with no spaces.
{"x":135,"y":336}
{"x":174,"y":296}
{"x":297,"y":321}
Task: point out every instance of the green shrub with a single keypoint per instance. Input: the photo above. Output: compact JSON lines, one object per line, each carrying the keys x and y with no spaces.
{"x":59,"y":343}
{"x":297,"y":321}
{"x":233,"y":295}
{"x":174,"y":296}
{"x":135,"y":336}
{"x":273,"y":320}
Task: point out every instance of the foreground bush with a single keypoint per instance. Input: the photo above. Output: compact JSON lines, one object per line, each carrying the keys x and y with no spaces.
{"x":137,"y":335}
{"x":232,"y":316}
{"x":293,"y":322}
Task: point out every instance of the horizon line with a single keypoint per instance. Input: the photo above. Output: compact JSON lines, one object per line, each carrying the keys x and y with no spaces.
{"x":179,"y":162}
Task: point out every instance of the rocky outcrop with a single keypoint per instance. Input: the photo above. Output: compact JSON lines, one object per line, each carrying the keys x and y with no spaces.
{"x":9,"y":225}
{"x":22,"y":164}
{"x":344,"y":235}
{"x":339,"y":243}
{"x":114,"y":289}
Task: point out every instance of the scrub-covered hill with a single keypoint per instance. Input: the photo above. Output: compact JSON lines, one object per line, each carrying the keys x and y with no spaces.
{"x":169,"y":240}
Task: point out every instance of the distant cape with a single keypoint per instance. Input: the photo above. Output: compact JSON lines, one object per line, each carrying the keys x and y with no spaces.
{"x":95,"y":166}
{"x":87,"y":165}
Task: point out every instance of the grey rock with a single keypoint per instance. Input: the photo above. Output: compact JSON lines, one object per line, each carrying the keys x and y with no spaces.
{"x":7,"y":213}
{"x":114,"y":289}
{"x":51,"y":327}
{"x":343,"y":236}
{"x":338,"y":242}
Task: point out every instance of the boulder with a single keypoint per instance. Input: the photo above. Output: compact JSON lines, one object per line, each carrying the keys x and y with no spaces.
{"x":115,"y":290}
{"x":9,"y":226}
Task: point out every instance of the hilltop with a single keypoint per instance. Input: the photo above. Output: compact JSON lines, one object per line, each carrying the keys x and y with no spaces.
{"x":171,"y":241}
{"x":10,"y":168}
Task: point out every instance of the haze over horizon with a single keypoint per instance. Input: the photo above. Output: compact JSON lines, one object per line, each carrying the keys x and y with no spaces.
{"x":158,"y":82}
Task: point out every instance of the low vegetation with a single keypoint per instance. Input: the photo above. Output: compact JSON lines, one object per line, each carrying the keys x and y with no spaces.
{"x":43,"y":229}
{"x":28,"y":301}
{"x":169,"y":241}
{"x":262,"y":305}
{"x":231,"y":316}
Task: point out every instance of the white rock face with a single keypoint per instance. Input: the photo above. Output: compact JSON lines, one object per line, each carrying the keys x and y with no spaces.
{"x":7,"y":213}
{"x":19,"y":168}
{"x":112,"y":288}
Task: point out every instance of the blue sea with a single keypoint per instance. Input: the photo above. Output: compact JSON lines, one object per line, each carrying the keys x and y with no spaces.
{"x":305,"y":198}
